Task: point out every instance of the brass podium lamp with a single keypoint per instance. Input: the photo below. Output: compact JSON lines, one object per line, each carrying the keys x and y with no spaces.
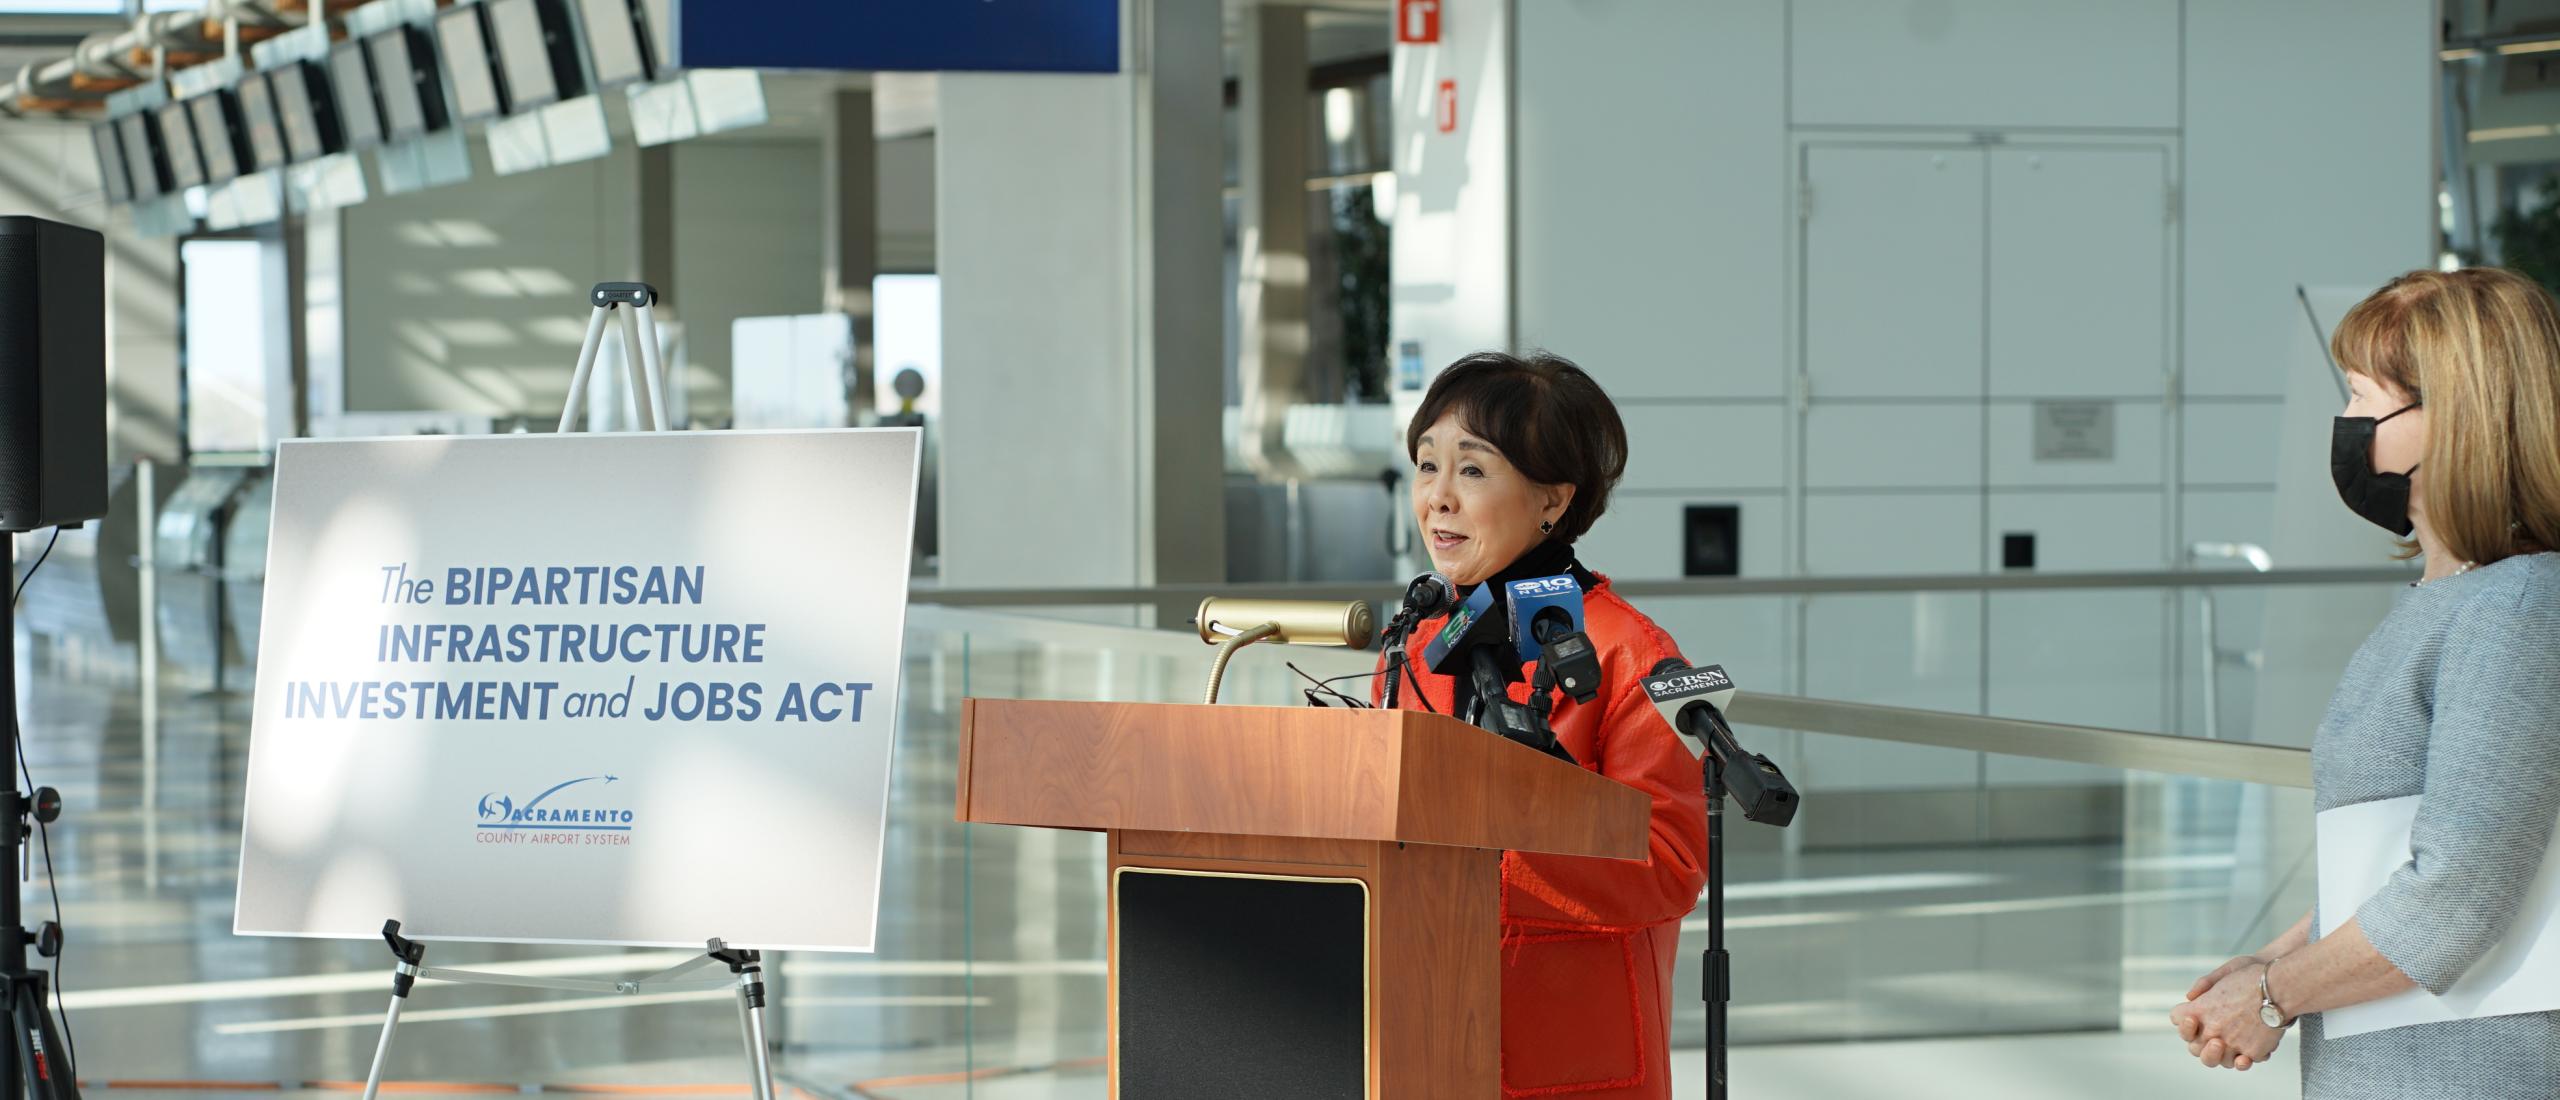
{"x":1231,"y":625}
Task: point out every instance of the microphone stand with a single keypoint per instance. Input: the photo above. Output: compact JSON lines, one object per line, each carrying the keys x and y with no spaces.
{"x":1494,"y":711}
{"x":1397,"y":628}
{"x":1715,"y":965}
{"x":33,"y":1065}
{"x":1767,"y":797}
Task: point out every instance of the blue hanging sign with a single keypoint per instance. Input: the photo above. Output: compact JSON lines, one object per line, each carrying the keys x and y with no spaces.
{"x":1024,"y":36}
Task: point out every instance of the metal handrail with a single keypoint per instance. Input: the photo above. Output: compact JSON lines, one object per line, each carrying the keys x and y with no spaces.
{"x":1100,"y":596}
{"x":2273,"y":765}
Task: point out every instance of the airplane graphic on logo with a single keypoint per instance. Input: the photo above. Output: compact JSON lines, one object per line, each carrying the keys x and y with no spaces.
{"x":500,"y":811}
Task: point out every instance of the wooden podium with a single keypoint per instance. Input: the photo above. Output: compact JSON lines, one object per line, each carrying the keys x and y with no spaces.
{"x":1305,"y":902}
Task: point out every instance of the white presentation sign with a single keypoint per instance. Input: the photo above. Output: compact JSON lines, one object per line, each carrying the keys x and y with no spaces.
{"x":615,"y":689}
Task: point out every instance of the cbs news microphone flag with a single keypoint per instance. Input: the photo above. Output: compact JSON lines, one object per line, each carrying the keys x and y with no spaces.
{"x":607,"y":689}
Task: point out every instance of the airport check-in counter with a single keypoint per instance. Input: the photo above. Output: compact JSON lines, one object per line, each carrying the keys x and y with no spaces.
{"x":190,"y":552}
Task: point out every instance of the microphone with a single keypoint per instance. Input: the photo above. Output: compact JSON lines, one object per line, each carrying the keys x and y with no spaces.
{"x":1546,"y":627}
{"x":1427,"y":595}
{"x":1473,"y":625}
{"x":1693,"y":701}
{"x":1476,"y":644}
{"x":1430,"y":594}
{"x":1293,"y":622}
{"x":1542,"y":607}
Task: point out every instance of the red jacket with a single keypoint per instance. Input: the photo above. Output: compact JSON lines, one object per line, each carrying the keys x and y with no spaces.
{"x":1589,"y":944}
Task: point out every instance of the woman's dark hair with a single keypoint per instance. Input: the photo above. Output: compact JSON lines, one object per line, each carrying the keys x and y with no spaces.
{"x":1545,"y":415}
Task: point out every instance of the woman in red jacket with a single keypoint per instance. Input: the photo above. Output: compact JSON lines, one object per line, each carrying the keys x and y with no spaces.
{"x":1513,"y":460}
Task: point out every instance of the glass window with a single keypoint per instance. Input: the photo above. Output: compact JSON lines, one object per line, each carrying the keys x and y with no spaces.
{"x":906,"y":332}
{"x":229,"y":338}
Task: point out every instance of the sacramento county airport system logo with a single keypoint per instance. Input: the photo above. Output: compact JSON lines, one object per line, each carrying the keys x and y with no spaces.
{"x":577,"y":811}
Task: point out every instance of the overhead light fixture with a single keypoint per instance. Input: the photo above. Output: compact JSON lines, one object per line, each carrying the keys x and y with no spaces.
{"x":2546,"y":45}
{"x":2510,"y":133}
{"x":2459,"y":53}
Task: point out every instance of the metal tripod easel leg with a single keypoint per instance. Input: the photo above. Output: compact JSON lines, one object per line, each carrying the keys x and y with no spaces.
{"x":634,"y":302}
{"x":746,"y":970}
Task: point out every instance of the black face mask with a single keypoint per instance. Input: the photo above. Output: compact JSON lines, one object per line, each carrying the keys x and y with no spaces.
{"x":2382,"y":499}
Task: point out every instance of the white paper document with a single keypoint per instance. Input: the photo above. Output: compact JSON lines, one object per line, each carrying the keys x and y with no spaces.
{"x":2360,"y":847}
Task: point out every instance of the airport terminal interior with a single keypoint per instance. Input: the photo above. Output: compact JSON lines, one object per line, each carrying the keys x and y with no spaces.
{"x":1972,"y":356}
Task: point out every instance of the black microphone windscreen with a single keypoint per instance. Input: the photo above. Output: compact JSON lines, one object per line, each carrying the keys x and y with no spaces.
{"x":1430,"y":594}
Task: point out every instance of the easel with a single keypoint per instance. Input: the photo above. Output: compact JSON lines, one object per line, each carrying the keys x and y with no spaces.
{"x":745,"y":967}
{"x":639,"y":353}
{"x":746,"y":970}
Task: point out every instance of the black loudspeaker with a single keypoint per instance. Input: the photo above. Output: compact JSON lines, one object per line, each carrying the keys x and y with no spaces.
{"x":53,"y":374}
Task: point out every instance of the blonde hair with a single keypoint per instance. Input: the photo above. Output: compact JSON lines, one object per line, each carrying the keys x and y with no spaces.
{"x":2480,"y":348}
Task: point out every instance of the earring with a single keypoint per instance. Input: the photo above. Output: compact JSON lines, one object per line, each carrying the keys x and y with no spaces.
{"x":1547,"y":527}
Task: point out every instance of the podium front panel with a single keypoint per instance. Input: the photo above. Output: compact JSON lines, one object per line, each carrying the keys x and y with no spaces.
{"x":1237,"y":985}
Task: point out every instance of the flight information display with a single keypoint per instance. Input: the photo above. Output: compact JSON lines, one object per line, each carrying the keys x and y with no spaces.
{"x":142,"y":155}
{"x":258,"y":117}
{"x":186,"y":167}
{"x":464,"y":42}
{"x":359,"y":112}
{"x":111,"y":172}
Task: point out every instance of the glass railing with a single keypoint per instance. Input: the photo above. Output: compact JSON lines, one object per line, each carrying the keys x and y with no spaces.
{"x":2225,"y":655}
{"x":1933,"y":886}
{"x":2043,"y":843}
{"x":992,"y":939}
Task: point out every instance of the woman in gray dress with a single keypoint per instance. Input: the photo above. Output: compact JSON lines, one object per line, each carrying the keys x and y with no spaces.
{"x":2453,"y":437}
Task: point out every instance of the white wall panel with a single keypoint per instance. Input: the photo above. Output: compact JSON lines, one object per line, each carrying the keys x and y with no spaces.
{"x":2081,"y":63}
{"x":1022,"y":285}
{"x":2233,"y":444}
{"x":1725,"y":447}
{"x":906,"y":204}
{"x":2140,"y":449}
{"x":1641,"y":536}
{"x":2303,"y":166}
{"x":1893,"y":446}
{"x":1893,"y":258}
{"x":470,"y":298}
{"x":1876,"y":534}
{"x":743,"y":249}
{"x":2083,"y":658}
{"x":1752,"y":637}
{"x":1648,"y":249}
{"x":2080,"y":532}
{"x":1922,"y":651}
{"x":2080,"y":247}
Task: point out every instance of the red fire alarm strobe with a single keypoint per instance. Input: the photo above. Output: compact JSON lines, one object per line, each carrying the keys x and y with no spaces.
{"x":1418,"y":22}
{"x":1448,"y":109}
